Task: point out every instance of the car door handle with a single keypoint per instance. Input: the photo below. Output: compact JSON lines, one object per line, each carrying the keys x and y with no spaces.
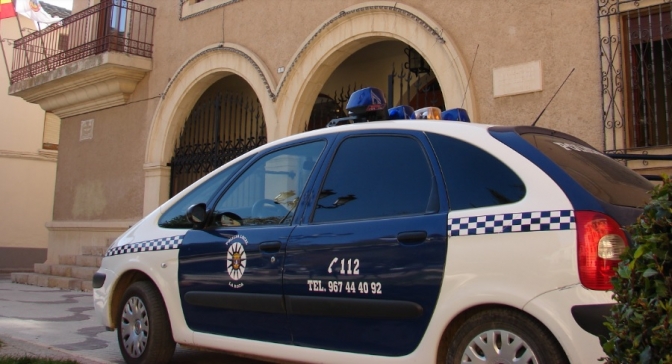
{"x":412,"y":237}
{"x":270,"y":246}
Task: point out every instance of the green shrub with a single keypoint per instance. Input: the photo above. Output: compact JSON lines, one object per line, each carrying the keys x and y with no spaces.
{"x":641,"y":321}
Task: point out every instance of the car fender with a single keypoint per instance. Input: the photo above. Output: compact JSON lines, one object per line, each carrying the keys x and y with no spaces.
{"x":161,"y":267}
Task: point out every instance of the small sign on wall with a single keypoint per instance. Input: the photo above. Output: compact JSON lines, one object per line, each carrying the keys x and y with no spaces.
{"x":86,"y":130}
{"x":517,"y":79}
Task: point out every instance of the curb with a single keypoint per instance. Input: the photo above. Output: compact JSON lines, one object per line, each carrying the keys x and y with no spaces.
{"x":12,"y":347}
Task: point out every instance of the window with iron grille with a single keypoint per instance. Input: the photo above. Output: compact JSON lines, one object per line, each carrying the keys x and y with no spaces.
{"x":636,"y":54}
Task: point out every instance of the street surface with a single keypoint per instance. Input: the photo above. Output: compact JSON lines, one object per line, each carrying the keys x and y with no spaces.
{"x":49,"y":322}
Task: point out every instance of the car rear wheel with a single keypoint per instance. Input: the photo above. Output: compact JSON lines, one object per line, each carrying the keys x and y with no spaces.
{"x":503,"y":336}
{"x":143,"y":327}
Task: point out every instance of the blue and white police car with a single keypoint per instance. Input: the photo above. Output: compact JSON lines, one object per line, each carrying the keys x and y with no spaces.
{"x":399,"y":241}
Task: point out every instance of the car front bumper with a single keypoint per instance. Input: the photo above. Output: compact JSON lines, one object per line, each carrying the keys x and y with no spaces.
{"x":101,"y":302}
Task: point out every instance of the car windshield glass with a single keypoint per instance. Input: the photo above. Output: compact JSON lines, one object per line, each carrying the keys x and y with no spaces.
{"x":176,"y":216}
{"x":605,"y":178}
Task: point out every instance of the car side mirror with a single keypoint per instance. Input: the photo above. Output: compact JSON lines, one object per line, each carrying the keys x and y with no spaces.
{"x":196,"y":215}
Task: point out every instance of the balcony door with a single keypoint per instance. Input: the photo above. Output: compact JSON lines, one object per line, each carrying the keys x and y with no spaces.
{"x":112,"y":25}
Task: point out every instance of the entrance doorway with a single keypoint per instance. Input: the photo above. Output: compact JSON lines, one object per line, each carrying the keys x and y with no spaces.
{"x":226,"y":122}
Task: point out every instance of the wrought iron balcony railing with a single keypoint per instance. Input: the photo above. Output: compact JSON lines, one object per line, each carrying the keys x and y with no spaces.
{"x":109,"y":26}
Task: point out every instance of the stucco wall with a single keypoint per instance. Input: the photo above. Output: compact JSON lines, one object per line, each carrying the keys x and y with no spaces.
{"x":562,"y":35}
{"x":27,"y":193}
{"x":102,"y":178}
{"x":27,"y":172}
{"x":21,"y":122}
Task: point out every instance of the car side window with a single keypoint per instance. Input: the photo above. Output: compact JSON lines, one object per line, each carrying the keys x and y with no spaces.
{"x":268,"y":192}
{"x":176,"y":216}
{"x":377,"y":176}
{"x":474,"y":177}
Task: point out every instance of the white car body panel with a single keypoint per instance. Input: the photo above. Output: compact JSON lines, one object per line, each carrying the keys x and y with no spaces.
{"x":546,"y":287}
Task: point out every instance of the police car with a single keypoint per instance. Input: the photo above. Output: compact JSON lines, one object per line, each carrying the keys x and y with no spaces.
{"x":416,"y":240}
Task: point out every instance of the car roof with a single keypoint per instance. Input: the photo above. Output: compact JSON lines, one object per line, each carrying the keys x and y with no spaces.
{"x":440,"y":126}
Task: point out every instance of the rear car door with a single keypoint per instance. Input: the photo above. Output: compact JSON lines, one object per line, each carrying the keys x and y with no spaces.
{"x":363,"y":273}
{"x":230,"y":273}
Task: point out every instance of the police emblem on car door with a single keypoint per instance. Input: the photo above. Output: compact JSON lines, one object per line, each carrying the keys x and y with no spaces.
{"x":230,"y":273}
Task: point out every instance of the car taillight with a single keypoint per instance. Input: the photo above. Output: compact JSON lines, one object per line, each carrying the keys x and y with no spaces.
{"x":601,"y":241}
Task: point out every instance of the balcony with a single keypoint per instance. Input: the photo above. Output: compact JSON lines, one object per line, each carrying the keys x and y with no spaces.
{"x":88,"y":61}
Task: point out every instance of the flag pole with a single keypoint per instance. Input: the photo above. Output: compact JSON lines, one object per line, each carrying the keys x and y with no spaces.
{"x":16,"y":15}
{"x":25,"y":50}
{"x":4,"y":56}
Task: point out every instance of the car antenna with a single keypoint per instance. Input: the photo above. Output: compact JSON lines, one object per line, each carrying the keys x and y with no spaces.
{"x":549,"y":101}
{"x":469,"y":79}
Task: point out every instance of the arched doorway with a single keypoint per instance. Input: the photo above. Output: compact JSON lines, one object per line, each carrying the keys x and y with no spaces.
{"x":385,"y":65}
{"x":226,"y":122}
{"x":212,"y":64}
{"x":352,"y":30}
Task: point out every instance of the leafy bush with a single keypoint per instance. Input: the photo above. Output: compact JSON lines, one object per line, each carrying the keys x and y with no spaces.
{"x":640,"y":325}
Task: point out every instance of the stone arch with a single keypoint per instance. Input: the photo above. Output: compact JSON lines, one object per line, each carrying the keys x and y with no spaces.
{"x":354,"y":28}
{"x":198,"y":73}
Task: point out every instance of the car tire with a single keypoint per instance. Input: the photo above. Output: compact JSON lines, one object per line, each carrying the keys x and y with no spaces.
{"x":143,"y":326}
{"x":504,"y":336}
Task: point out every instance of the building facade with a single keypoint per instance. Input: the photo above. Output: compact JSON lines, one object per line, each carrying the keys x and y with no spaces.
{"x":28,"y":154}
{"x":154,"y":94}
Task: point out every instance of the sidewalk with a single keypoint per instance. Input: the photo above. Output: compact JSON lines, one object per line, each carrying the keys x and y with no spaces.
{"x":18,"y":349}
{"x":60,"y":324}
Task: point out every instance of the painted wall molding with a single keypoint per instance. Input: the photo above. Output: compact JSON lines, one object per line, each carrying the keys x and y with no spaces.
{"x":42,"y":155}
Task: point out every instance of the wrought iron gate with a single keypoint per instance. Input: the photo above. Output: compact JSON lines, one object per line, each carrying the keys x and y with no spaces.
{"x":218,"y":130}
{"x":328,"y":107}
{"x":414,"y":91}
{"x":417,"y":92}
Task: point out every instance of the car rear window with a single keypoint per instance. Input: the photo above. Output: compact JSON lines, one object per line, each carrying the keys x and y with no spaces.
{"x":475,"y":178}
{"x":605,"y":178}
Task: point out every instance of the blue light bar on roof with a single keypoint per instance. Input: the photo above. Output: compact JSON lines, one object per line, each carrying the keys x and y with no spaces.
{"x":400,"y":112}
{"x":366,"y":100}
{"x":456,"y":114}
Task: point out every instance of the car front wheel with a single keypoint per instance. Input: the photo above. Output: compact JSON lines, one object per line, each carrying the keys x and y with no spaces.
{"x":504,"y":336}
{"x":143,"y":326}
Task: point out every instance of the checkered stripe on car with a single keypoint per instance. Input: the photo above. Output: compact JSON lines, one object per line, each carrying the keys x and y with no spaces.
{"x":514,"y":222}
{"x":172,"y":242}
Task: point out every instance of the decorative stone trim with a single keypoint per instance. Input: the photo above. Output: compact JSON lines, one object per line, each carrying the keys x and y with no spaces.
{"x":93,"y":83}
{"x":222,"y":48}
{"x":274,"y":95}
{"x":191,"y":13}
{"x":343,"y":14}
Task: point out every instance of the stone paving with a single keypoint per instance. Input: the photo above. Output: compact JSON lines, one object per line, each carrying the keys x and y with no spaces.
{"x":60,"y":324}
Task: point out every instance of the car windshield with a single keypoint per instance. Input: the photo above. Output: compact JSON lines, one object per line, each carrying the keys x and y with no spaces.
{"x":605,"y":178}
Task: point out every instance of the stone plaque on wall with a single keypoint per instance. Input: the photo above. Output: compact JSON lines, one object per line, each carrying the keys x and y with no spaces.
{"x":517,"y":79}
{"x":86,"y":130}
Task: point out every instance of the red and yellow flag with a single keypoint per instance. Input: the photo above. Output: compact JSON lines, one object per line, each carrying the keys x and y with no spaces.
{"x":6,"y":9}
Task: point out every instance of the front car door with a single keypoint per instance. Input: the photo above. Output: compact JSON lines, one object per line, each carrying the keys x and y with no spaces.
{"x":363,"y":273}
{"x":230,"y":273}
